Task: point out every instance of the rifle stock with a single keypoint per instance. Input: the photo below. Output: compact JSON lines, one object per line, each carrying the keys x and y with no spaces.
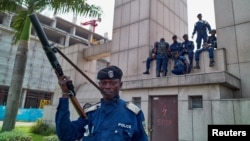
{"x":54,"y":62}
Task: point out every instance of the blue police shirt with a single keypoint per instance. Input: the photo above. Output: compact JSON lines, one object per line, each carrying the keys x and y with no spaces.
{"x":175,"y":47}
{"x":111,"y":121}
{"x":180,"y":62}
{"x":188,"y":45}
{"x":201,"y":27}
{"x":213,"y":41}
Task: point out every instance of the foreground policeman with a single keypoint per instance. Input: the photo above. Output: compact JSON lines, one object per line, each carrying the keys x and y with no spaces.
{"x":112,"y":120}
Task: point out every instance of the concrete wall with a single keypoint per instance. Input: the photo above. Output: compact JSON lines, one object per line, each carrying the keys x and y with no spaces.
{"x":193,"y":122}
{"x":233,"y":26}
{"x":39,"y":74}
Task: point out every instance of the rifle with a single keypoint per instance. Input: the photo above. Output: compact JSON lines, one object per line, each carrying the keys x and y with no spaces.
{"x":50,"y":51}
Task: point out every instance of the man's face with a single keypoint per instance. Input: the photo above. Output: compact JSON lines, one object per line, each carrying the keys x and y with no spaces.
{"x":212,"y":33}
{"x":185,"y":37}
{"x":199,"y":17}
{"x":110,"y":88}
{"x":174,"y":39}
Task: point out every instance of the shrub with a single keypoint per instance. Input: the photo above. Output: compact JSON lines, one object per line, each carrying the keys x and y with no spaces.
{"x":51,"y":138}
{"x":14,"y":136}
{"x":42,"y":128}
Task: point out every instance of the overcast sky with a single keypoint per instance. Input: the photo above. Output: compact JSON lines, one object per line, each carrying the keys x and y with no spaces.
{"x":206,"y":7}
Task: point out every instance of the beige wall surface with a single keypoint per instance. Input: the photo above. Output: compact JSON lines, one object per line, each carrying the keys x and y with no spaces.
{"x":233,"y":26}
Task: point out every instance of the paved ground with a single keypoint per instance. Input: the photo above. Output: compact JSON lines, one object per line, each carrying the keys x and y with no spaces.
{"x":21,"y":123}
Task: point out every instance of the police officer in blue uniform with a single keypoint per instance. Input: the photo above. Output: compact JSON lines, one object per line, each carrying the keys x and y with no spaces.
{"x":175,"y":46}
{"x":188,"y":48}
{"x":209,"y":46}
{"x":181,"y":65}
{"x":201,"y":28}
{"x":163,"y":52}
{"x":151,"y":57}
{"x":112,"y":120}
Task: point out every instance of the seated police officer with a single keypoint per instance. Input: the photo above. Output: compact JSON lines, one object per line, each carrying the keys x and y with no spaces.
{"x":181,"y":65}
{"x":209,"y":46}
{"x":112,"y":120}
{"x":151,"y":57}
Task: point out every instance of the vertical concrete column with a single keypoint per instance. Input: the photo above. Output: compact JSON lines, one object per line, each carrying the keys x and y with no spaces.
{"x":233,"y":26}
{"x":73,"y":30}
{"x":67,"y":40}
{"x":53,"y":24}
{"x":61,"y":40}
{"x":23,"y":97}
{"x":90,"y":37}
{"x":7,"y":19}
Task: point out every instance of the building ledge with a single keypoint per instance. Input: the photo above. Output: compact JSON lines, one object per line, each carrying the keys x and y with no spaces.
{"x":97,"y":52}
{"x":222,"y":77}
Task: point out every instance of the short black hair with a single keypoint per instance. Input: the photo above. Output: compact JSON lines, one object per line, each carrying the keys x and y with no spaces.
{"x":174,"y":37}
{"x":185,"y":35}
{"x":162,"y":40}
{"x":213,"y":30}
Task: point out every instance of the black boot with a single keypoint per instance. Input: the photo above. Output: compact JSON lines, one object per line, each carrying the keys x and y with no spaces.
{"x":211,"y":63}
{"x":146,"y":72}
{"x":157,"y":74}
{"x":197,"y":66}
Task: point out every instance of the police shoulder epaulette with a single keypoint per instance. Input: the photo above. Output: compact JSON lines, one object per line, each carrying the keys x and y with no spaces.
{"x":132,"y":107}
{"x":92,"y":108}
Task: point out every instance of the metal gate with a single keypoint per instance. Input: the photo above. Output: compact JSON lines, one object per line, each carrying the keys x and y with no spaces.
{"x":164,"y":118}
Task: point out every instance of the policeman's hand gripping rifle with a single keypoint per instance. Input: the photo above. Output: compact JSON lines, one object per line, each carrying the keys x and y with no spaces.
{"x":50,"y":53}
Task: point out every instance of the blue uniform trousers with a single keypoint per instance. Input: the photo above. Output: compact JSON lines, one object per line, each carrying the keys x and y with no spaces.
{"x":202,"y":36}
{"x":161,"y":64}
{"x":149,"y":59}
{"x":178,"y":70}
{"x":210,"y":52}
{"x":190,"y":56}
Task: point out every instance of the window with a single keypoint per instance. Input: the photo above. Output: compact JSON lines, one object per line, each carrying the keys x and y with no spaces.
{"x":195,"y":102}
{"x":137,"y":101}
{"x":34,"y":98}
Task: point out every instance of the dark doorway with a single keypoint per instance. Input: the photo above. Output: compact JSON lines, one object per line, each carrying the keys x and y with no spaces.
{"x":164,"y":120}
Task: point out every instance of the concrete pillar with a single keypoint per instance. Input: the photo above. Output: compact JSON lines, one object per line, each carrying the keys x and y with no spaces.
{"x":67,"y":41}
{"x":61,"y":40}
{"x":73,"y":30}
{"x":23,"y":98}
{"x":233,"y":26}
{"x":53,"y":24}
{"x":7,"y":19}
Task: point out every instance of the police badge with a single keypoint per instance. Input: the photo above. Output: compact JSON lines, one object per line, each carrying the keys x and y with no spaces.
{"x":110,"y":74}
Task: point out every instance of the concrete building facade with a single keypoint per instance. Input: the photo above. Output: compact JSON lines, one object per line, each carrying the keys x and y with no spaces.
{"x":40,"y":80}
{"x":178,"y":108}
